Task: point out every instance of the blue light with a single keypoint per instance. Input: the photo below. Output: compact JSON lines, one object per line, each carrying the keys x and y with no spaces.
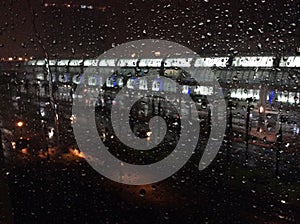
{"x":66,"y":77}
{"x":160,"y":84}
{"x":189,"y":91}
{"x":97,"y":79}
{"x":53,"y":77}
{"x":271,"y":96}
{"x":134,"y":81}
{"x":114,"y":80}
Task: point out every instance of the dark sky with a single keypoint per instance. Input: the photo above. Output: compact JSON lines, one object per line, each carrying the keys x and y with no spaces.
{"x":206,"y":26}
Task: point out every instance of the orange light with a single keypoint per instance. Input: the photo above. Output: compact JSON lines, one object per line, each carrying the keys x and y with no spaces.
{"x":20,"y":124}
{"x":77,"y":153}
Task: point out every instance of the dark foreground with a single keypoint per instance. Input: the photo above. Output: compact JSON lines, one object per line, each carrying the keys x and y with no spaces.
{"x":67,"y":190}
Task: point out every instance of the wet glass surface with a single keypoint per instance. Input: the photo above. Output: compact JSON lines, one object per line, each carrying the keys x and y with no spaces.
{"x":252,"y":49}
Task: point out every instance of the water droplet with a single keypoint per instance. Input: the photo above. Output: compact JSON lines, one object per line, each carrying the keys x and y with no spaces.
{"x":142,"y":192}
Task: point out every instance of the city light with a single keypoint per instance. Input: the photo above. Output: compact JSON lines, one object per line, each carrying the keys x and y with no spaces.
{"x":150,"y":111}
{"x":73,"y":5}
{"x":20,"y":124}
{"x":77,"y":153}
{"x":157,"y":53}
{"x":51,"y":133}
{"x":73,"y":119}
{"x":261,"y":109}
{"x":148,"y":135}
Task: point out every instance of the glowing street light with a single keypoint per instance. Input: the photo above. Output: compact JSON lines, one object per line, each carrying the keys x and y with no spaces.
{"x":20,"y":124}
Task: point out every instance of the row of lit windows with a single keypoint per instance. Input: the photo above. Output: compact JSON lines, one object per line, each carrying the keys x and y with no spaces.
{"x":155,"y":62}
{"x":72,"y":5}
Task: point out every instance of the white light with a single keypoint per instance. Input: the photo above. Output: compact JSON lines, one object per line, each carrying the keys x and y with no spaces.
{"x":210,"y":62}
{"x":73,"y":118}
{"x":178,"y":62}
{"x":155,"y":62}
{"x":290,"y":61}
{"x":253,"y":61}
{"x":75,"y":62}
{"x":261,"y":109}
{"x":51,"y":133}
{"x":43,"y":112}
{"x":127,"y":62}
{"x":108,"y":63}
{"x":91,"y":62}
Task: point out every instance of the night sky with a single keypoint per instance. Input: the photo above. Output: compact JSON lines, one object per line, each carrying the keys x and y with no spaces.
{"x":210,"y":27}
